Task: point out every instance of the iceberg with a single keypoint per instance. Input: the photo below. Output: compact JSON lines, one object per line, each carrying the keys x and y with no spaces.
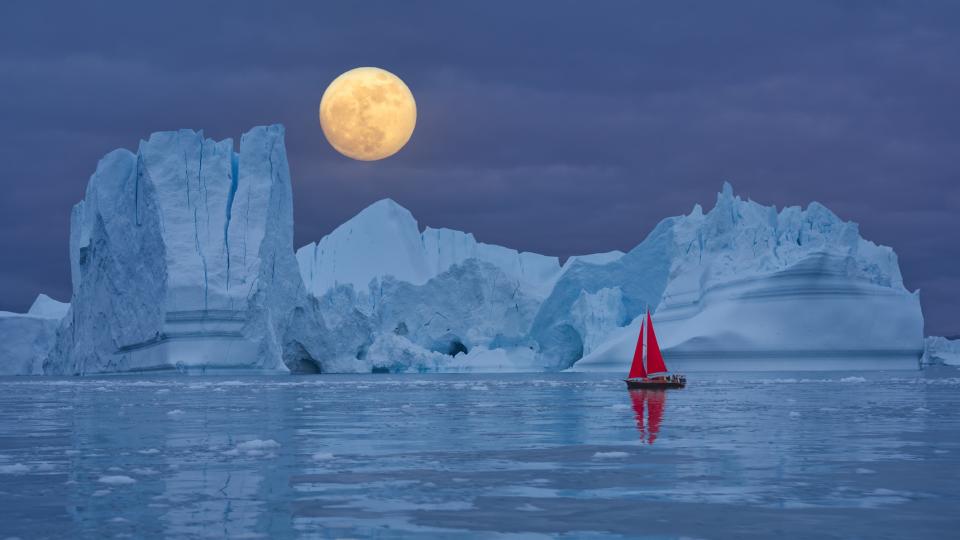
{"x":741,"y":286}
{"x":941,"y":351}
{"x":639,"y":277}
{"x":47,"y":308}
{"x":438,"y":300}
{"x":182,"y":258}
{"x":27,"y":338}
{"x":596,"y":315}
{"x":747,"y":287}
{"x":384,"y":239}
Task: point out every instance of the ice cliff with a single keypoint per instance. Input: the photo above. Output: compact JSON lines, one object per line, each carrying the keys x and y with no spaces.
{"x":182,"y":258}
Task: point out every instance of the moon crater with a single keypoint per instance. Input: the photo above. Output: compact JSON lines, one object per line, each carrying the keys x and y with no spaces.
{"x":368,"y":113}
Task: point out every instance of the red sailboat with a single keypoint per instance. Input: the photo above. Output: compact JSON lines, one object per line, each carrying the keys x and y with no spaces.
{"x":648,"y":369}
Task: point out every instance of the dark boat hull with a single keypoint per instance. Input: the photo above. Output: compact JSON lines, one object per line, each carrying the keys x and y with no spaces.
{"x":651,"y":384}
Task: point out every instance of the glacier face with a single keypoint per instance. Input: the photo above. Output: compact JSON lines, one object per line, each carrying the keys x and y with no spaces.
{"x":182,"y":257}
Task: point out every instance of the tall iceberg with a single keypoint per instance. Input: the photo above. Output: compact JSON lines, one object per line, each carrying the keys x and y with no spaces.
{"x":182,"y":258}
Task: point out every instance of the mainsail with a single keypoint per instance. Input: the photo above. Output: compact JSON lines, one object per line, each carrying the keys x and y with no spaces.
{"x":637,"y":369}
{"x":655,"y":364}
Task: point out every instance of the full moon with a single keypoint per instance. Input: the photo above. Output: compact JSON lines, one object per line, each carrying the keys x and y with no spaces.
{"x":368,"y":113}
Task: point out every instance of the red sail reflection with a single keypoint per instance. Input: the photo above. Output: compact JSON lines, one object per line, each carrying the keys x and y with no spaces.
{"x":653,"y":401}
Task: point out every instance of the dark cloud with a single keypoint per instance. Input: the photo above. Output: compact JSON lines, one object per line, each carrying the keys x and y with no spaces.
{"x":558,"y":127}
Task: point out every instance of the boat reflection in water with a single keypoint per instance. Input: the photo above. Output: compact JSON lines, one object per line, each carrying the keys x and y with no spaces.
{"x":652,"y":402}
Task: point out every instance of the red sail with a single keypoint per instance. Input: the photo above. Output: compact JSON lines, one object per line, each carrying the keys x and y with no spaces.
{"x":655,"y":363}
{"x":637,"y":369}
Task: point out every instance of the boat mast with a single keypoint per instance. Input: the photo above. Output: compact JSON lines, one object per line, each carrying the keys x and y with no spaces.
{"x":645,"y":333}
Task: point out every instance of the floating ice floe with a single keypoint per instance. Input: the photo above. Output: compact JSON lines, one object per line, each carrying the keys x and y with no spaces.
{"x":14,"y":468}
{"x":116,"y":480}
{"x":610,"y":455}
{"x":254,"y":448}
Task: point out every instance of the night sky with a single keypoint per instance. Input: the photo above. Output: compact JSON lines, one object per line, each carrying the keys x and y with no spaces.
{"x":555,"y":127}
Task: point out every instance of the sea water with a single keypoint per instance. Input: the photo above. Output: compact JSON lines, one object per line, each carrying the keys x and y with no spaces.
{"x":791,"y":455}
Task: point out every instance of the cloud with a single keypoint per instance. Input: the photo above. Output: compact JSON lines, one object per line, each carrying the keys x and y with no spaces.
{"x":560,"y":127}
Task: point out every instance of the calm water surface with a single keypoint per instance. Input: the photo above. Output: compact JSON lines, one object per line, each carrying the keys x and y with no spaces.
{"x":793,"y":455}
